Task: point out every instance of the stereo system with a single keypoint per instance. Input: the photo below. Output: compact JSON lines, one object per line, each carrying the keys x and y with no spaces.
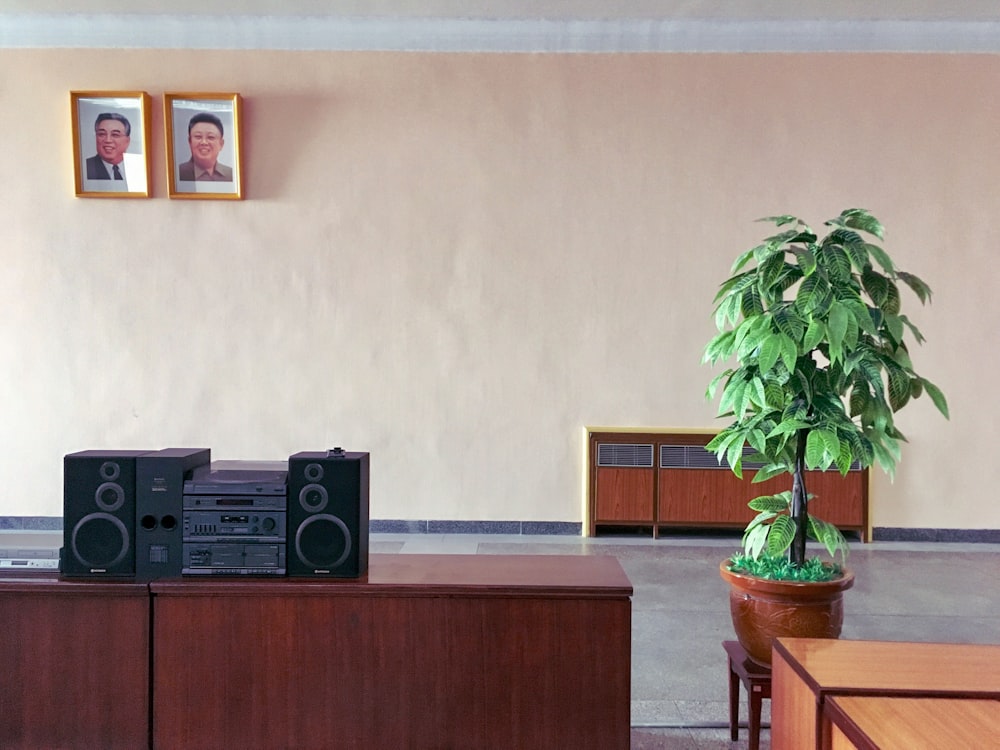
{"x":147,"y":515}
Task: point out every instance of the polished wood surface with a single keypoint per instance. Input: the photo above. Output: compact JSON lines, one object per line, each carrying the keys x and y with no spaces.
{"x":624,"y":495}
{"x":884,"y":723}
{"x":429,"y":651}
{"x":710,"y":497}
{"x":75,"y":659}
{"x":806,"y":672}
{"x":715,"y":496}
{"x":967,"y":669}
{"x":547,"y":576}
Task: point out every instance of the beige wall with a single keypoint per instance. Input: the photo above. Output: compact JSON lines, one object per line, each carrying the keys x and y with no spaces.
{"x":457,"y":261}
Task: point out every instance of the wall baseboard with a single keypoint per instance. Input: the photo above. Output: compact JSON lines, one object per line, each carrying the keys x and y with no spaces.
{"x":549,"y":528}
{"x":893,"y":534}
{"x":388,"y":526}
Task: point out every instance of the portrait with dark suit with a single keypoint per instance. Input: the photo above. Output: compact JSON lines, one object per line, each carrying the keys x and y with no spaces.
{"x":108,"y":145}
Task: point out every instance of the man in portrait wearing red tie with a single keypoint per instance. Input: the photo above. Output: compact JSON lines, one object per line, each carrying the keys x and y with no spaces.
{"x":113,"y":133}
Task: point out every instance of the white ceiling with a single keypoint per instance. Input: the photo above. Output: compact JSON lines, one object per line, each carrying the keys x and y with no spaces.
{"x":509,"y":25}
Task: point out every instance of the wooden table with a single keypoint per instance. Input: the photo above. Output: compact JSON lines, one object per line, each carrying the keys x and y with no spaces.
{"x":75,"y":664}
{"x":426,"y":651}
{"x":884,"y":723}
{"x":807,"y":672}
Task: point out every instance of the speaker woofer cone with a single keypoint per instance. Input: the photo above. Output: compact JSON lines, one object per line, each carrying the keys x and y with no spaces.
{"x":323,"y":542}
{"x":99,"y":541}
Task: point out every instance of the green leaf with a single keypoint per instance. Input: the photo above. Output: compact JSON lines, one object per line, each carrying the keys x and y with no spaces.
{"x":769,"y":472}
{"x":756,"y":333}
{"x":770,"y":350}
{"x":720,"y":347}
{"x":732,"y":395}
{"x":892,"y":301}
{"x":789,"y":352}
{"x":780,"y":537}
{"x":859,"y":218}
{"x":787,"y":427}
{"x":756,"y":392}
{"x":894,"y":325}
{"x":836,"y":262}
{"x":755,"y":537}
{"x":913,"y":329}
{"x":727,"y":311}
{"x":917,"y":285}
{"x":875,"y":285}
{"x":814,"y":334}
{"x":770,"y":503}
{"x":789,"y":322}
{"x":860,"y":397}
{"x":774,"y":395}
{"x":829,"y":536}
{"x":936,"y":396}
{"x":836,"y":329}
{"x":806,"y":259}
{"x":899,"y":386}
{"x":782,"y":219}
{"x":818,"y":448}
{"x":750,"y":302}
{"x":734,"y":455}
{"x":882,"y":257}
{"x":743,"y":259}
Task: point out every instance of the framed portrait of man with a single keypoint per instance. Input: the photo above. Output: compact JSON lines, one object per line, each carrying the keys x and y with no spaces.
{"x":110,"y":143}
{"x":203,"y":145}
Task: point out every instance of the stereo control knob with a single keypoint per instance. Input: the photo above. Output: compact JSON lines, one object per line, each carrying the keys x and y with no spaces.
{"x":268,"y":524}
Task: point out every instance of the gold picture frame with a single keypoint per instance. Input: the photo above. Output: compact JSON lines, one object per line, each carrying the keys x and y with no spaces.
{"x":203,"y":145}
{"x":110,"y":143}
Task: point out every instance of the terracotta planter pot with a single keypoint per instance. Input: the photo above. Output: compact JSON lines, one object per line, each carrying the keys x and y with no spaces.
{"x":763,"y":610}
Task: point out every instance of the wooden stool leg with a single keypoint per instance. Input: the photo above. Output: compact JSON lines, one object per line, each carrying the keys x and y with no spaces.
{"x":755,"y":706}
{"x":734,"y":703}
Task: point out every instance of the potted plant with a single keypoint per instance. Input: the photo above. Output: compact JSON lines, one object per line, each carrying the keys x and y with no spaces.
{"x":822,"y":364}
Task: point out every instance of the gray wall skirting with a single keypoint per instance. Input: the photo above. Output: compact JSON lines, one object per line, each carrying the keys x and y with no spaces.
{"x":554,"y":528}
{"x":560,"y":528}
{"x":892,"y":534}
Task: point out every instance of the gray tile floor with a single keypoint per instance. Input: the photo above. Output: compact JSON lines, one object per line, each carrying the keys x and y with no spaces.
{"x":903,"y":592}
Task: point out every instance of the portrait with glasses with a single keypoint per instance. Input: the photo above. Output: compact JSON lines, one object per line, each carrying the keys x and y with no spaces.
{"x":203,"y":145}
{"x":110,"y":144}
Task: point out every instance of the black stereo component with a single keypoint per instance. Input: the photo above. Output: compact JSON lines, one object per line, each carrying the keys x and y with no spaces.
{"x":234,"y":519}
{"x":328,"y":513}
{"x":159,"y":495}
{"x":99,"y":514}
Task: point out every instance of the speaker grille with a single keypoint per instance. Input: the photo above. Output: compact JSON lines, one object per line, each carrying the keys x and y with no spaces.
{"x":100,"y":541}
{"x":323,"y":542}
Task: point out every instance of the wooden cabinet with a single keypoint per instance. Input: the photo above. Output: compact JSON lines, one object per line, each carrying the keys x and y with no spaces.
{"x":428,"y":651}
{"x":425,"y":651}
{"x":664,"y":479}
{"x":75,"y":662}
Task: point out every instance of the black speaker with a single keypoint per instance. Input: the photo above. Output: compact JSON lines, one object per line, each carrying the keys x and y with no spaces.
{"x":328,"y":514}
{"x":159,"y":502}
{"x":99,"y":514}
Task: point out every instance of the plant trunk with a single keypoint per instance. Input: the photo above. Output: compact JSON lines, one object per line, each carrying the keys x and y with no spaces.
{"x":800,"y":511}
